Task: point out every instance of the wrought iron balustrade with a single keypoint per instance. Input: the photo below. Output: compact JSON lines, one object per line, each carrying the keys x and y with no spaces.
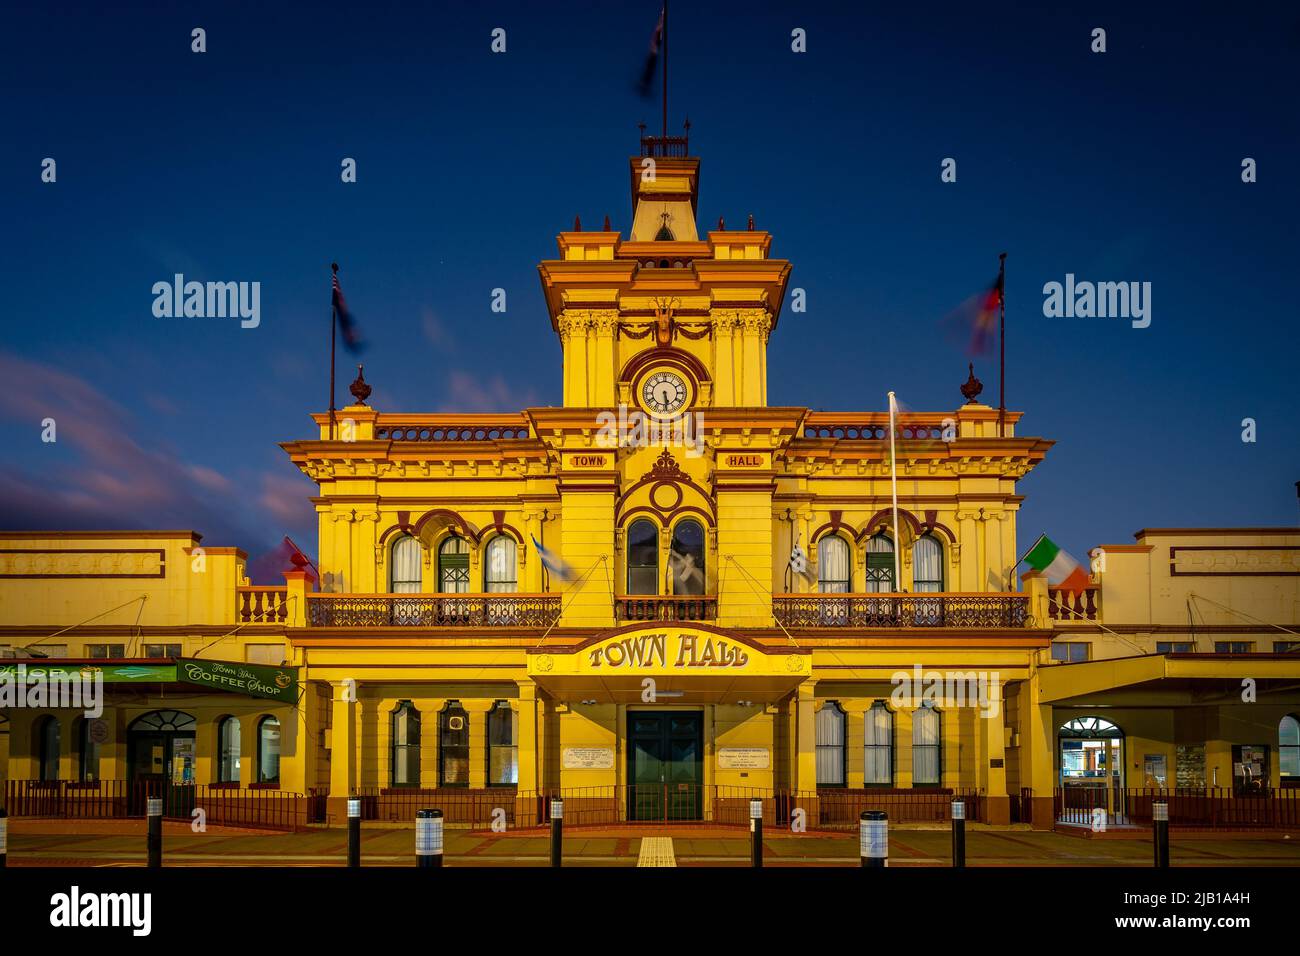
{"x":941,"y":609}
{"x":656,"y":607}
{"x":432,"y":610}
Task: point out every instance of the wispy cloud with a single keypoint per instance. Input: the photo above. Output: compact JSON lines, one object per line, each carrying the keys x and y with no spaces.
{"x":467,"y":392}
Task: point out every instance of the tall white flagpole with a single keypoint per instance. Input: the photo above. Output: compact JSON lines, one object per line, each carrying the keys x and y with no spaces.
{"x":893,"y":487}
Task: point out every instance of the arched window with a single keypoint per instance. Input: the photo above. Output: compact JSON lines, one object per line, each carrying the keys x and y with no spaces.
{"x":453,"y":566}
{"x":88,"y":752}
{"x":831,"y":766}
{"x":642,"y":558}
{"x":453,"y":746}
{"x":228,"y":750}
{"x":833,"y":574}
{"x":502,"y":749}
{"x":927,"y":746}
{"x":1288,"y":748}
{"x":927,"y":564}
{"x":686,"y":558}
{"x":878,"y":746}
{"x":404,"y":567}
{"x":880,"y":564}
{"x":499,"y":574}
{"x":48,"y":747}
{"x":268,"y":750}
{"x":405,"y":745}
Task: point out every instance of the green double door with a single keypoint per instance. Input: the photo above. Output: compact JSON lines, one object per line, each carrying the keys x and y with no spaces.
{"x":665,"y":765}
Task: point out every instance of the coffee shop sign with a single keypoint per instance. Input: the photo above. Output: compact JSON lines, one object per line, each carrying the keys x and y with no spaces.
{"x":654,"y":650}
{"x":236,"y":678}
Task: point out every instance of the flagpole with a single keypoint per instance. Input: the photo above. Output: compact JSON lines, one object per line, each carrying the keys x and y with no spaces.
{"x":1002,"y":344}
{"x":893,"y":487}
{"x":334,"y":322}
{"x":665,"y":42}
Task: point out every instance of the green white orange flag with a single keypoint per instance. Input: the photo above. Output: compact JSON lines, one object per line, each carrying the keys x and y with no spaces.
{"x":1055,"y":563}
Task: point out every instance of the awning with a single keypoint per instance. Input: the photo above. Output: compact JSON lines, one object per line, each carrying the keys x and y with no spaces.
{"x":1169,"y":673}
{"x":251,"y":680}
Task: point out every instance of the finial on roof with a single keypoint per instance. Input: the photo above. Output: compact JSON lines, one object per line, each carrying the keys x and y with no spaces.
{"x":751,"y":222}
{"x":606,"y":222}
{"x":973,"y":386}
{"x":360,"y":390}
{"x":722,"y":224}
{"x":577,"y":224}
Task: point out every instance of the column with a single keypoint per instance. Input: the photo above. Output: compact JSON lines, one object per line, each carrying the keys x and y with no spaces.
{"x":343,"y":752}
{"x":604,"y":373}
{"x":573,"y":334}
{"x":724,"y":385}
{"x":1038,"y":752}
{"x":805,"y":749}
{"x":298,"y":758}
{"x":998,"y":803}
{"x":755,"y":324}
{"x":527,"y":743}
{"x":477,"y":711}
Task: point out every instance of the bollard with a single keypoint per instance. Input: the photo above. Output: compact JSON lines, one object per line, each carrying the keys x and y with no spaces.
{"x":959,"y":834}
{"x":4,"y":838}
{"x":428,"y":838}
{"x":1160,"y":827}
{"x":153,"y":843}
{"x":756,"y":833}
{"x":557,"y":831}
{"x":354,"y":832}
{"x":873,"y":838}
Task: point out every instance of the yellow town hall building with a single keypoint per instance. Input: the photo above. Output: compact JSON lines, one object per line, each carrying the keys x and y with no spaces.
{"x":657,"y":599}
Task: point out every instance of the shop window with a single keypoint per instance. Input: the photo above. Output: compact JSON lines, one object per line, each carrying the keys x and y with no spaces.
{"x":48,"y":747}
{"x":830,"y":745}
{"x":1175,"y":647}
{"x":404,"y":566}
{"x":878,"y":746}
{"x":927,"y":746}
{"x":927,"y":564}
{"x":499,"y":566}
{"x":87,"y":752}
{"x":503,"y":749}
{"x":1070,"y":652}
{"x":268,"y":750}
{"x":162,"y":650}
{"x":453,"y":566}
{"x":453,"y":746}
{"x":642,"y":558}
{"x":880,"y":564}
{"x":405,"y":745}
{"x":272,"y":654}
{"x":686,"y":558}
{"x":228,"y":750}
{"x":105,"y":650}
{"x":1234,"y":647}
{"x":833,"y":574}
{"x":1286,"y":647}
{"x":1288,"y":750}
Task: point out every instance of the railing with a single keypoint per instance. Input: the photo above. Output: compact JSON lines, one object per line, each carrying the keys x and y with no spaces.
{"x":262,"y":605}
{"x":1210,"y":808}
{"x":450,"y":427}
{"x":874,"y":426}
{"x":940,"y":609}
{"x":120,"y":799}
{"x":652,"y":607}
{"x":1065,"y":605}
{"x":675,"y":147}
{"x":432,"y":610}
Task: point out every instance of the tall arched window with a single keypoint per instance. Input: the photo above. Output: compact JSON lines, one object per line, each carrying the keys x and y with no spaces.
{"x":268,"y":750}
{"x":404,"y":566}
{"x":878,"y":746}
{"x":831,"y":767}
{"x":453,"y":566}
{"x":228,"y":750}
{"x":499,"y":574}
{"x":880,"y":564}
{"x":686,"y":558}
{"x":642,"y":558}
{"x":453,"y":746}
{"x":927,"y":564}
{"x":927,"y":746}
{"x":502,"y":749}
{"x":1288,"y":748}
{"x":833,"y":574}
{"x":88,"y":752}
{"x":48,"y":746}
{"x":405,"y":764}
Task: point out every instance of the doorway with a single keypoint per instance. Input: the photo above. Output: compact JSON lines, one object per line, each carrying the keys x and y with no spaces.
{"x":665,"y":771}
{"x":160,"y":762}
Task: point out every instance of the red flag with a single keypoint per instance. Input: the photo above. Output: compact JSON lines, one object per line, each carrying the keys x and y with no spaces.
{"x":986,"y":319}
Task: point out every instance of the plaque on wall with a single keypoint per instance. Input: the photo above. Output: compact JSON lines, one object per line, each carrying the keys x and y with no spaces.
{"x":588,"y":758}
{"x":744,"y":758}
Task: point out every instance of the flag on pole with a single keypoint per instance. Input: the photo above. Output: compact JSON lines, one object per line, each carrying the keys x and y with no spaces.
{"x":347,"y":324}
{"x":652,"y":57}
{"x":554,"y":563}
{"x":986,"y":319}
{"x":1055,"y":563}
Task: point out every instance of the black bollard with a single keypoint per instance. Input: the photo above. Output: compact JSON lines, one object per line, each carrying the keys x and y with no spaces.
{"x":428,"y":838}
{"x":959,"y":834}
{"x":1160,"y":826}
{"x":4,"y":838}
{"x":557,"y":831}
{"x":354,"y":832}
{"x":153,"y":843}
{"x":756,"y":833}
{"x":873,"y":838}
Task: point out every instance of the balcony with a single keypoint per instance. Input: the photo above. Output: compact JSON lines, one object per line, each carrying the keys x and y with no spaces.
{"x":1073,"y":605}
{"x":942,"y":609}
{"x":261,"y":605}
{"x":656,"y":607}
{"x":432,"y":610}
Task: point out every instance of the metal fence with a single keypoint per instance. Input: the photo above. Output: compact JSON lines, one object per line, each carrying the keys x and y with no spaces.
{"x":1210,"y":808}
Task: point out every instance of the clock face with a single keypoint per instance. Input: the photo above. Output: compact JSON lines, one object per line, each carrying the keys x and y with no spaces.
{"x":664,"y":393}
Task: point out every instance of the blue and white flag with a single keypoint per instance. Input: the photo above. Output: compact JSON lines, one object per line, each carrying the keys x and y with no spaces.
{"x":554,"y":564}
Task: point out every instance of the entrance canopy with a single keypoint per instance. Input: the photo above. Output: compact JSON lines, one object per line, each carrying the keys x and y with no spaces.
{"x":667,"y":663}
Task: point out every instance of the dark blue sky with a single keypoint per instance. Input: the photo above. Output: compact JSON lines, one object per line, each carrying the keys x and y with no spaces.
{"x":225,"y":166}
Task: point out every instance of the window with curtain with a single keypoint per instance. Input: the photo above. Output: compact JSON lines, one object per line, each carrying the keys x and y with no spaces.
{"x":404,"y":566}
{"x":405,"y":745}
{"x":880,"y":564}
{"x":1288,"y":747}
{"x":228,"y":751}
{"x":833,"y":565}
{"x":49,"y":747}
{"x":453,"y":566}
{"x":499,"y":574}
{"x":927,"y":564}
{"x":830,"y":745}
{"x":88,"y":764}
{"x":686,"y":558}
{"x":503,"y":751}
{"x":927,"y":750}
{"x":878,"y":746}
{"x":268,"y":750}
{"x":453,"y":746}
{"x":642,"y":558}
